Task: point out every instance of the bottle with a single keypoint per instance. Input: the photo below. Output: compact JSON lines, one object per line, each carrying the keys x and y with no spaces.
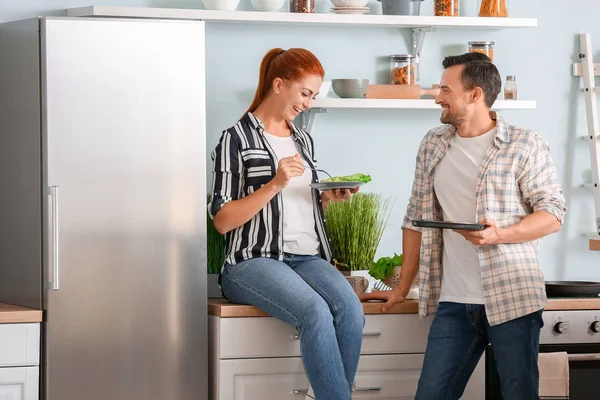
{"x":446,"y":8}
{"x":402,"y":69}
{"x":485,"y":47}
{"x":510,"y":88}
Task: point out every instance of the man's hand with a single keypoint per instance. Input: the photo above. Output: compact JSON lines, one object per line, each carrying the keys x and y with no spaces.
{"x":391,"y":297}
{"x":489,"y":236}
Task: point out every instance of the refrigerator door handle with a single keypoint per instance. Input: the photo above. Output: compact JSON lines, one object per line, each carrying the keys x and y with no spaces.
{"x":54,"y":261}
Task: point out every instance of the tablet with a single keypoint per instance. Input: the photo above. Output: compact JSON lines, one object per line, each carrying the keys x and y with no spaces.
{"x":449,"y":225}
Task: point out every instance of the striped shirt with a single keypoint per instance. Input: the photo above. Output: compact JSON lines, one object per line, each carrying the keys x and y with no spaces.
{"x":243,"y":162}
{"x":516,"y":178}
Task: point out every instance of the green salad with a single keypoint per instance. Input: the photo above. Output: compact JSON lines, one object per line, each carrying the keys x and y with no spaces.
{"x":349,"y":178}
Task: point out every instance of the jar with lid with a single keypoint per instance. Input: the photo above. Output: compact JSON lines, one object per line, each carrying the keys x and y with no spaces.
{"x":486,"y":48}
{"x":302,"y":6}
{"x":403,"y":69}
{"x":510,"y":88}
{"x":446,"y":8}
{"x":493,"y":8}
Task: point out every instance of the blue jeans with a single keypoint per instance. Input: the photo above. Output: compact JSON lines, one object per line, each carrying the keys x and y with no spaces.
{"x":310,"y":294}
{"x":458,"y":337}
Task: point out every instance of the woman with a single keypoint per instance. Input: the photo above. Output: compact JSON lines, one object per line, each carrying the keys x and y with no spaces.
{"x":278,"y":250}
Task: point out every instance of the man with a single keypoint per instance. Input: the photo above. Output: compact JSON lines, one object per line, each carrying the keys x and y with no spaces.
{"x":487,"y":285}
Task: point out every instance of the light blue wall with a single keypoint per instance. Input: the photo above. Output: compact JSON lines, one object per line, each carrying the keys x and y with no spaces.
{"x":383,"y":143}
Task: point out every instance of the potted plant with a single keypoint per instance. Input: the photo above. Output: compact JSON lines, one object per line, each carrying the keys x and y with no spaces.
{"x":387,"y":270}
{"x":216,"y":250}
{"x":355,"y":228}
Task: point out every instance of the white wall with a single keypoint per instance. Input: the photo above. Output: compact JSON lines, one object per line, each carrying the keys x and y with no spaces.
{"x":383,"y":143}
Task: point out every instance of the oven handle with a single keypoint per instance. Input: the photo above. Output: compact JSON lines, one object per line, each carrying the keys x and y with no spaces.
{"x":585,"y":357}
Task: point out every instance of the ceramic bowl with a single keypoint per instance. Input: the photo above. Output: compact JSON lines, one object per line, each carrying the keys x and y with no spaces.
{"x":349,"y":3}
{"x":350,"y":88}
{"x":223,"y":5}
{"x":324,"y":89}
{"x":267,"y":5}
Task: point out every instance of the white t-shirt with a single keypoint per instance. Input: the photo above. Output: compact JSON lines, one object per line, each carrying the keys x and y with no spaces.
{"x":299,"y":235}
{"x":455,"y":185}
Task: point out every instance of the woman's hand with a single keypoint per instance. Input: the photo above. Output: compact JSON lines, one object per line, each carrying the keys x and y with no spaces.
{"x":338,"y":194}
{"x":288,"y":168}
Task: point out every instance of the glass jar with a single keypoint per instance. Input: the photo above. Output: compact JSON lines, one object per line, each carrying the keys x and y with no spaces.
{"x":446,"y":8}
{"x":402,"y":69}
{"x":510,"y":88}
{"x":493,"y":8}
{"x":486,"y":48}
{"x":302,"y":6}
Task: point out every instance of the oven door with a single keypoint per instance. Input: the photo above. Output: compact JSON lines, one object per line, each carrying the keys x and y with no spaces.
{"x":584,"y":370}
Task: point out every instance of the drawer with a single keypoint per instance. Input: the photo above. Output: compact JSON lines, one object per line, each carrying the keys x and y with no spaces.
{"x":379,"y":377}
{"x":260,"y":379}
{"x":19,"y":345}
{"x":269,"y":337}
{"x":19,"y":383}
{"x":383,"y":377}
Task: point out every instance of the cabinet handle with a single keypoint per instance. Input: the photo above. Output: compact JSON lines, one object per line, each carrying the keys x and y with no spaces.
{"x":584,"y":357}
{"x":54,"y":262}
{"x":367,"y":389}
{"x":371,"y":334}
{"x":356,"y":389}
{"x":366,"y":334}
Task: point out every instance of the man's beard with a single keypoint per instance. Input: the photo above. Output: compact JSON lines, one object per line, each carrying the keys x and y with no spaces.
{"x":454,"y":119}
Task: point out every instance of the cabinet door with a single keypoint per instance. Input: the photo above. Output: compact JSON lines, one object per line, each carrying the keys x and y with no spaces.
{"x":20,"y":383}
{"x":260,"y":379}
{"x":382,"y":377}
{"x":19,"y":345}
{"x":388,"y":377}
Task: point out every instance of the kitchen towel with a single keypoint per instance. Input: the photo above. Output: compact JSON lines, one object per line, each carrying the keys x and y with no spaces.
{"x":554,"y":375}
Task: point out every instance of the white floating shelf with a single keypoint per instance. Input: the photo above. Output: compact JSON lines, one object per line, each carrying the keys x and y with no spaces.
{"x":399,"y":21}
{"x":423,"y":104}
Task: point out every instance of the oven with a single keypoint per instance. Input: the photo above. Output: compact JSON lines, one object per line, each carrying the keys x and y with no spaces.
{"x":576,"y":332}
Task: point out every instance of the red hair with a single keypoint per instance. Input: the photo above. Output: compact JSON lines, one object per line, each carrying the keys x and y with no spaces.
{"x":292,"y":65}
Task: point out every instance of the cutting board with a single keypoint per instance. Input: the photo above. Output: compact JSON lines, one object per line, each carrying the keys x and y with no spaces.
{"x":399,"y":92}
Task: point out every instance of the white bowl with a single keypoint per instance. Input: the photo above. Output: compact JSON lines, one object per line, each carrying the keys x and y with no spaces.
{"x":224,"y":5}
{"x":349,"y":3}
{"x":324,"y":89}
{"x":267,"y":5}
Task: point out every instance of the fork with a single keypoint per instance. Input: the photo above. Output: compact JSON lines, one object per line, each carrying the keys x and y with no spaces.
{"x":316,"y":169}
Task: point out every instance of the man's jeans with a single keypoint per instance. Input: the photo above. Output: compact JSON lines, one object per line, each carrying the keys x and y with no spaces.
{"x":458,"y":337}
{"x":310,"y":294}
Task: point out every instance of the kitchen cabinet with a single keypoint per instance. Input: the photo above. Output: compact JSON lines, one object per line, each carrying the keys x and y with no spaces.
{"x":19,"y":383}
{"x":19,"y":361}
{"x":255,"y":358}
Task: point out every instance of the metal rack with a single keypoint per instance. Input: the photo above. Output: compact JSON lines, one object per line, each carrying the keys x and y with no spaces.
{"x":588,"y":70}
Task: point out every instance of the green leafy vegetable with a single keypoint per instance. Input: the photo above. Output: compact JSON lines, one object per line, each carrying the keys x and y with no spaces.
{"x":384,"y":267}
{"x":350,"y":178}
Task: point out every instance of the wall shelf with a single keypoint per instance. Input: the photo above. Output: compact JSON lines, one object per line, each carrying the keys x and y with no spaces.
{"x":413,"y":104}
{"x":323,"y":105}
{"x":392,"y":21}
{"x":420,"y":26}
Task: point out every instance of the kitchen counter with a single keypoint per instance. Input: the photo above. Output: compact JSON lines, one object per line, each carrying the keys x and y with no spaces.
{"x":10,"y":314}
{"x":224,"y":309}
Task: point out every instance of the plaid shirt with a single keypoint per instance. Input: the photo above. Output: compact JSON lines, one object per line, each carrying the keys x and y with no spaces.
{"x":516,"y":178}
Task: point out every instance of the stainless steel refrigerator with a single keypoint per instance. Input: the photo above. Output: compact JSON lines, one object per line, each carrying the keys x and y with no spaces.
{"x":103,"y":202}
